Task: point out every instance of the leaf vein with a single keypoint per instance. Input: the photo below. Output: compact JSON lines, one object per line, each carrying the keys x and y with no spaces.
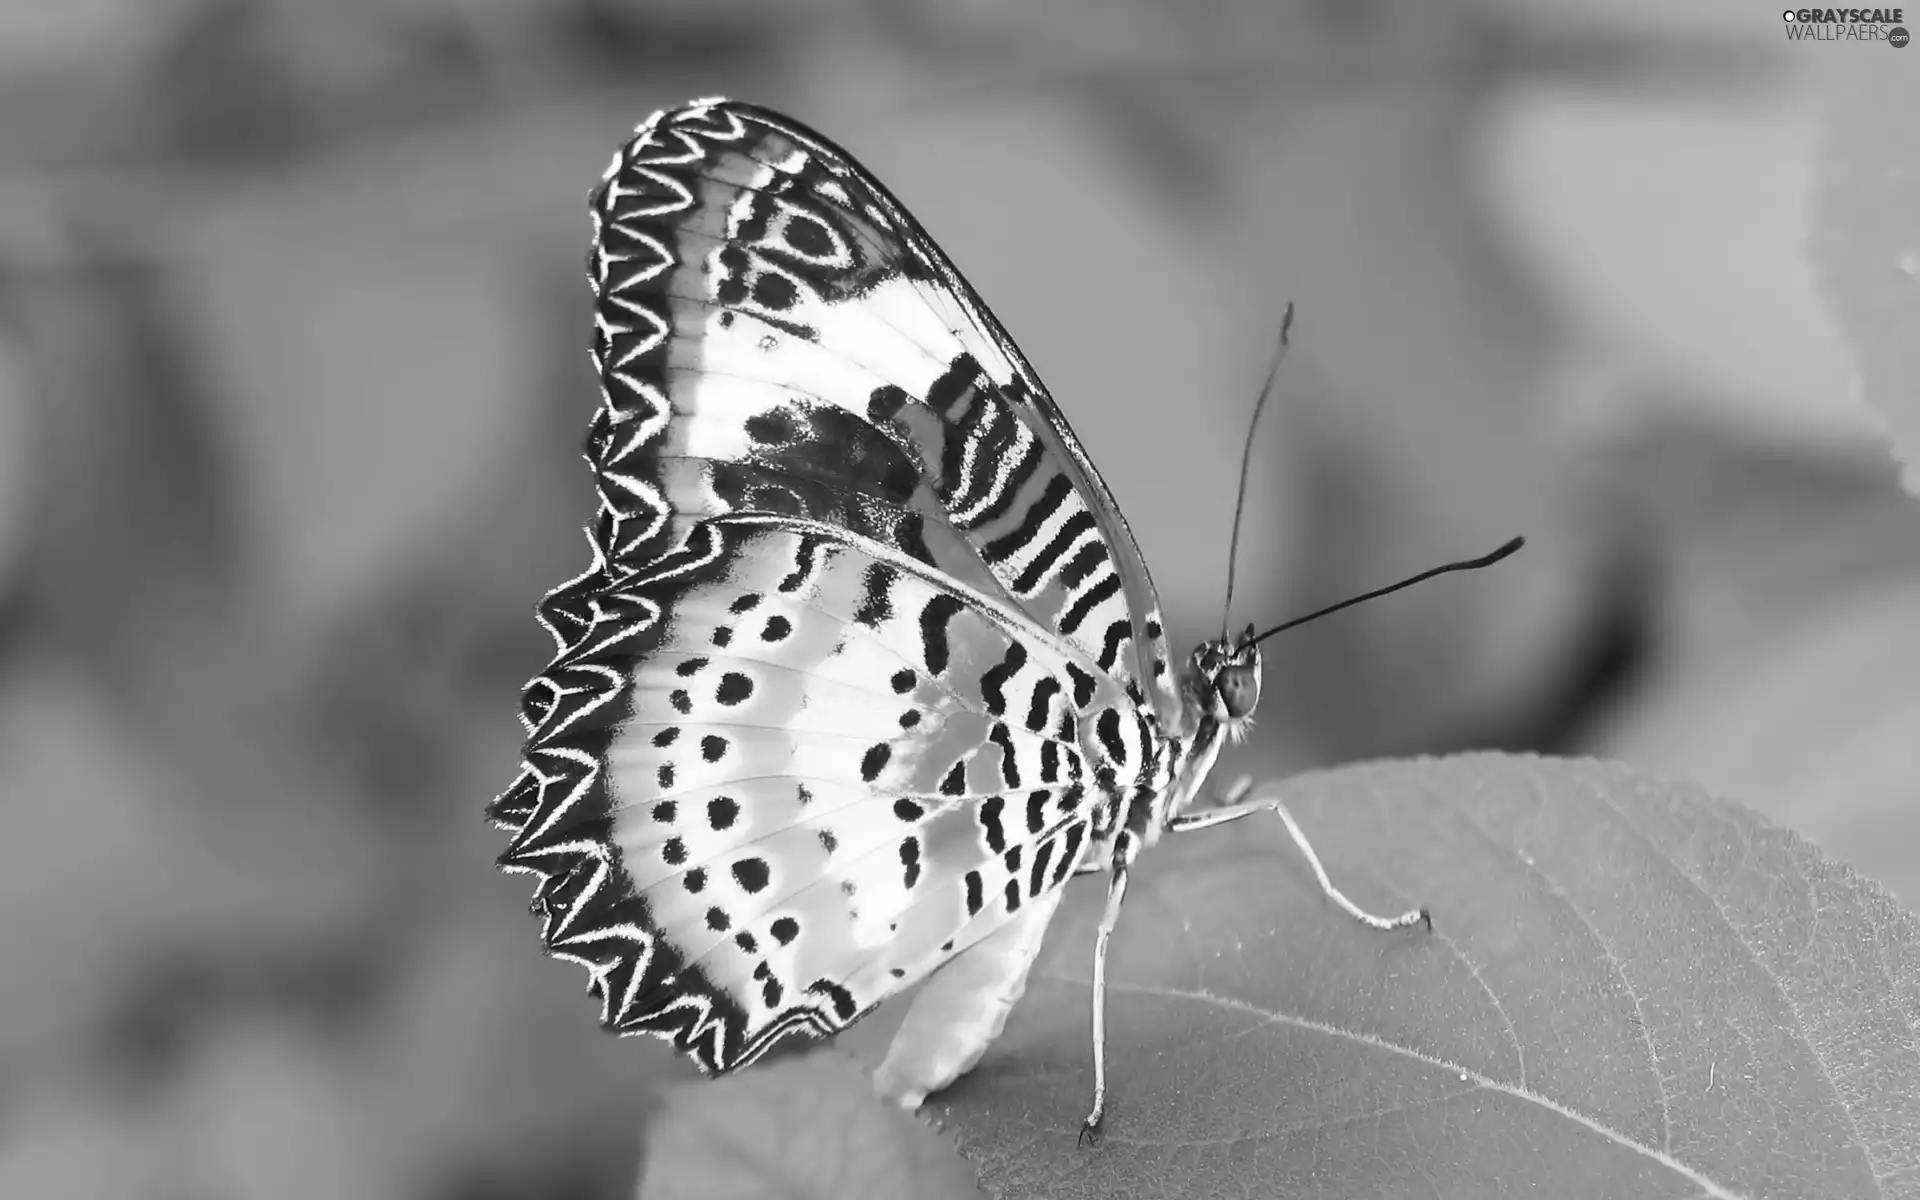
{"x":1613,"y":960}
{"x":1708,"y":1187}
{"x":1753,"y":956}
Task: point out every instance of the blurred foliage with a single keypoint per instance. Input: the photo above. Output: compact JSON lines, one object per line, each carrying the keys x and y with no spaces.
{"x":292,"y":374}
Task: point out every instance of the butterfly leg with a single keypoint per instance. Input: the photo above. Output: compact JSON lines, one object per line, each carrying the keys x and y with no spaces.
{"x":1116,"y":892}
{"x":1237,"y":808}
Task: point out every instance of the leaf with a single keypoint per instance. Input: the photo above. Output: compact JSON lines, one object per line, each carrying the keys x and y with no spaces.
{"x":1631,"y":989}
{"x":1865,"y":239}
{"x":803,"y":1127}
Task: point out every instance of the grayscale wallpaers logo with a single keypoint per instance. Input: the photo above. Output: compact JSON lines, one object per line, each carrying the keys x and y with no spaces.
{"x":1847,"y":25}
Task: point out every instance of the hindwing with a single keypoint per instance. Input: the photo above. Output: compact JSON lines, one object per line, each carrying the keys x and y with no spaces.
{"x":827,"y":771}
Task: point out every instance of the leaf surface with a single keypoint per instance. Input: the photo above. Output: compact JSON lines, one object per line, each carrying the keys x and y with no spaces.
{"x":806,"y":1128}
{"x":1632,"y":989}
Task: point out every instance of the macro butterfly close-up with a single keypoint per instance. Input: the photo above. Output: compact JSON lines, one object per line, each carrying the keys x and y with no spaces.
{"x":866,"y":665}
{"x":927,"y":764}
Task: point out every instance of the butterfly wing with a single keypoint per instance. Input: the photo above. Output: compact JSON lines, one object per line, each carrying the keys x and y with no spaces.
{"x":828,"y":771}
{"x":815,"y":725}
{"x":812,"y":351}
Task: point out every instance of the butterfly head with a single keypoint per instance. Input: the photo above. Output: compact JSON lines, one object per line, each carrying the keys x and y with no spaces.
{"x":1226,"y":680}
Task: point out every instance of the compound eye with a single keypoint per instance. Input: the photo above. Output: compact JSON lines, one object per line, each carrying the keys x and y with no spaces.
{"x":1239,"y":690}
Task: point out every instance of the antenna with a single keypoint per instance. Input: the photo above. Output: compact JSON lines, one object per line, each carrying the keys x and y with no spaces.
{"x":1472,"y":564}
{"x":1246,"y":460}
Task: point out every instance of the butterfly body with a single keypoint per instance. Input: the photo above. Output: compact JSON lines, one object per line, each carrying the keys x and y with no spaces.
{"x":866,"y":663}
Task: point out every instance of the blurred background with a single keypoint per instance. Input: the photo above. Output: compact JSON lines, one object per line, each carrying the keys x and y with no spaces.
{"x":293,"y":375}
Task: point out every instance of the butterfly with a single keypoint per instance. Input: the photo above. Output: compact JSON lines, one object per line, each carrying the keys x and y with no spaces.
{"x":866,"y":663}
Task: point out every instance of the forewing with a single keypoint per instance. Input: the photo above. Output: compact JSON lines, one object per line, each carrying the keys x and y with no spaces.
{"x":776,"y":333}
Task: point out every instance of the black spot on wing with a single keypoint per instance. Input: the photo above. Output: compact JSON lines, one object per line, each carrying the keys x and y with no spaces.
{"x":1083,"y":686}
{"x":775,"y":291}
{"x":1043,"y":693}
{"x":953,"y":385}
{"x":840,"y":998}
{"x":735,"y":688}
{"x":808,"y":235}
{"x":751,"y":874}
{"x":910,"y":860}
{"x":876,"y":599}
{"x":1070,"y":851}
{"x":1107,"y":727}
{"x":730,"y":282}
{"x":1037,"y":810}
{"x":1041,"y":857}
{"x":1009,"y":766}
{"x":775,"y":427}
{"x":990,"y":825}
{"x":806,"y":560}
{"x":885,"y":402}
{"x":875,"y":761}
{"x":910,"y":534}
{"x":993,"y":681}
{"x":975,"y":889}
{"x":1117,"y":632}
{"x":935,"y":648}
